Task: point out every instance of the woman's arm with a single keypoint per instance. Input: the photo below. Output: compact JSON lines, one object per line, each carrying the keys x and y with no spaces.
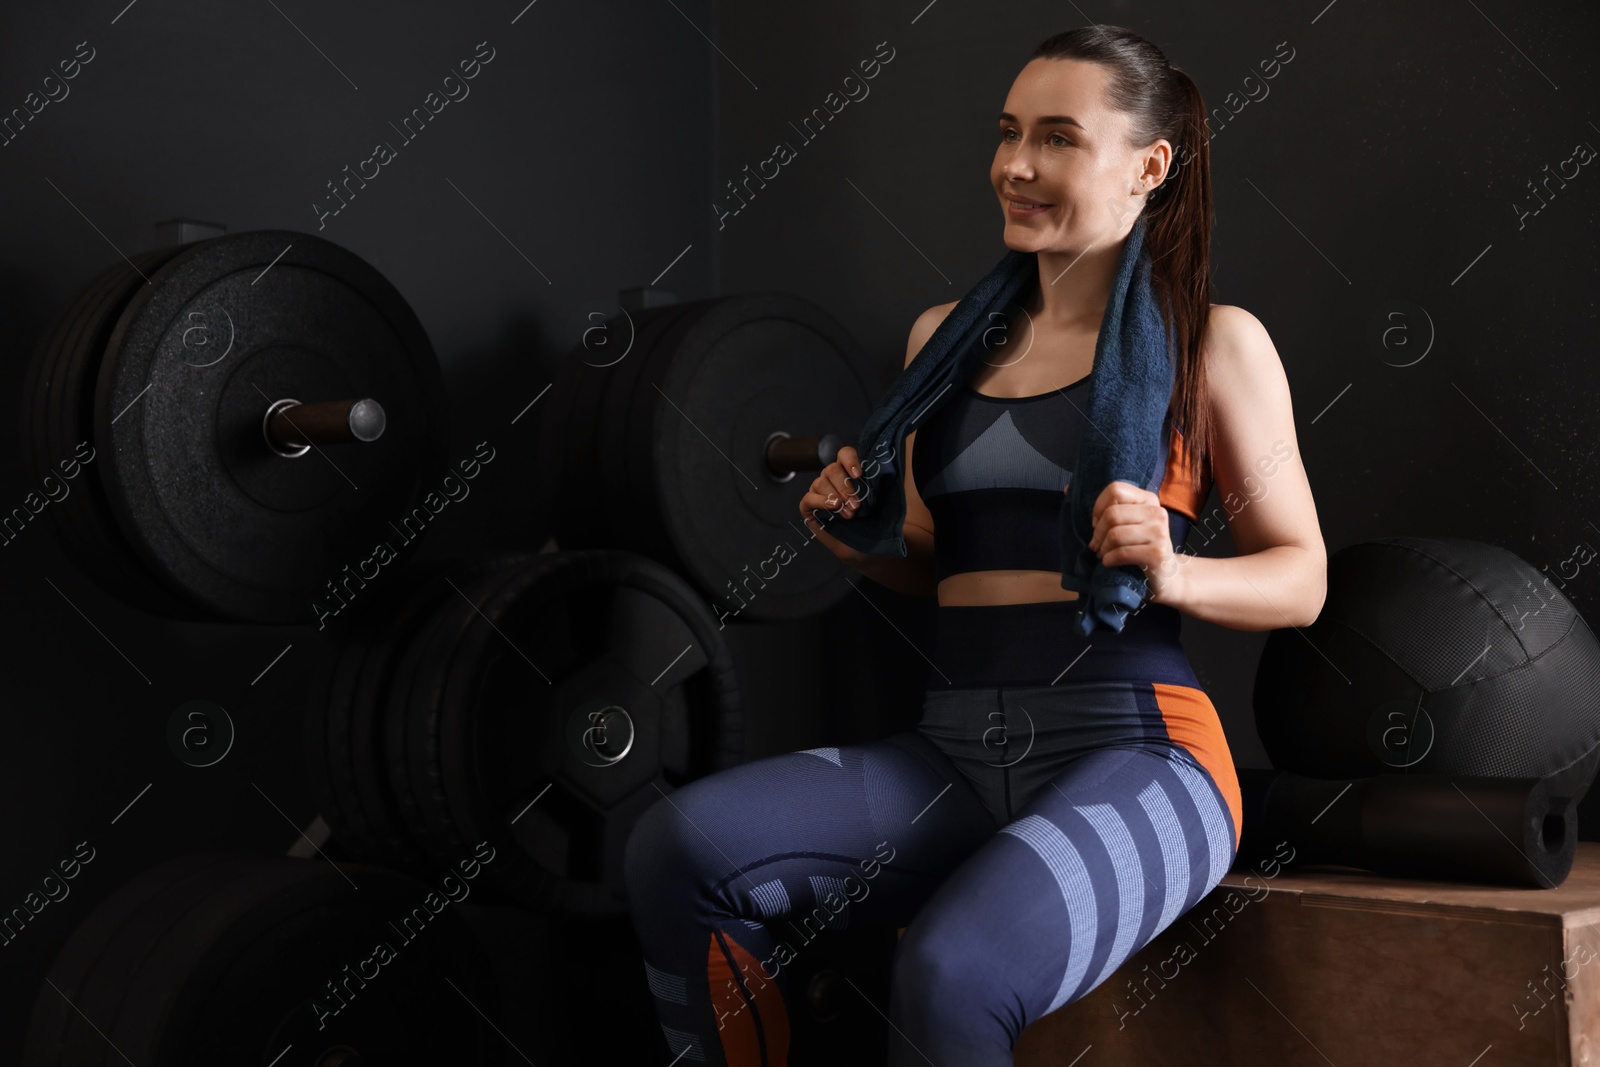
{"x":912,"y":573}
{"x":1280,"y":573}
{"x":1280,"y":576}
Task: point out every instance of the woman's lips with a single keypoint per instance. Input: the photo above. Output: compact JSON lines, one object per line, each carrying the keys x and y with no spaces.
{"x":1015,"y":209}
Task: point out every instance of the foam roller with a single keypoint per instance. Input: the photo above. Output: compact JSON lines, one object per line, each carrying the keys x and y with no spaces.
{"x":1460,"y":828}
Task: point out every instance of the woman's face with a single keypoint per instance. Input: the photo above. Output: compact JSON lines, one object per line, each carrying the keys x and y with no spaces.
{"x":1061,"y":147}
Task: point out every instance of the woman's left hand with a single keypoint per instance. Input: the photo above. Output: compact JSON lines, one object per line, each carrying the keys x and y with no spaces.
{"x":1131,"y":528}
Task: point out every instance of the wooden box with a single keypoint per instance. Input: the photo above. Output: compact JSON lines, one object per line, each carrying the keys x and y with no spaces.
{"x":1308,"y":968}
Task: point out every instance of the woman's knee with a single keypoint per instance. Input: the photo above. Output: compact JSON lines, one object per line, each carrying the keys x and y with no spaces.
{"x":939,"y":963}
{"x":678,"y":838}
{"x":661,"y":847}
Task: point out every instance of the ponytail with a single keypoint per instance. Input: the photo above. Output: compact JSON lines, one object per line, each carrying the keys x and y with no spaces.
{"x":1178,"y":217}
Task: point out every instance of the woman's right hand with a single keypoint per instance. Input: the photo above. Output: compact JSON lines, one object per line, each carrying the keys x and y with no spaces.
{"x":833,"y":489}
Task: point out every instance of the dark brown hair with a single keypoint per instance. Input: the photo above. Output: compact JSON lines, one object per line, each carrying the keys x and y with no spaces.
{"x":1163,"y":101}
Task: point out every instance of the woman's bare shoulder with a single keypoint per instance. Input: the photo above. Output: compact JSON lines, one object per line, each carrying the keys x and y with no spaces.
{"x":1247,"y":385}
{"x":1232,"y":328}
{"x":1240,"y":358}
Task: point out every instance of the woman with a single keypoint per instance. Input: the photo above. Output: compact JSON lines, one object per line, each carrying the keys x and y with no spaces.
{"x":1064,"y":798}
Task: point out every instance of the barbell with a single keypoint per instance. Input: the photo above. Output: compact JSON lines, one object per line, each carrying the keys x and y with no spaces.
{"x":685,"y":448}
{"x":259,"y":404}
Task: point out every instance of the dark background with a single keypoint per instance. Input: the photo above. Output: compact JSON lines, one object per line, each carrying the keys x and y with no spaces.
{"x":1378,"y":172}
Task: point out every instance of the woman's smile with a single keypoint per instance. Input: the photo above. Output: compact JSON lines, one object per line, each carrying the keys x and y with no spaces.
{"x":1022,"y":209}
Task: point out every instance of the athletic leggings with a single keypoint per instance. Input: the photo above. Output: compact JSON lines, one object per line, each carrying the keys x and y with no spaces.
{"x":1062,"y":801}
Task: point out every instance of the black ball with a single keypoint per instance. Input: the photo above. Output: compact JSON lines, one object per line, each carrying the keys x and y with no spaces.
{"x":1435,"y":655}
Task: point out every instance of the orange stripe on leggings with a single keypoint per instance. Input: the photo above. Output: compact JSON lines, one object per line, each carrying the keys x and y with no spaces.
{"x":741,"y":1042}
{"x":1192,"y":722}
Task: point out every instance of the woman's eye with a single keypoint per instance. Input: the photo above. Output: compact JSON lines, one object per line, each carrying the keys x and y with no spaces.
{"x":1057,"y":140}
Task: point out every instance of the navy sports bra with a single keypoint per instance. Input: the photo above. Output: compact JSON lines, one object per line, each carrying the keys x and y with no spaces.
{"x":993,"y":473}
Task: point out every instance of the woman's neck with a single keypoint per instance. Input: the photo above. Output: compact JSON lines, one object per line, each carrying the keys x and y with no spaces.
{"x":1074,"y":286}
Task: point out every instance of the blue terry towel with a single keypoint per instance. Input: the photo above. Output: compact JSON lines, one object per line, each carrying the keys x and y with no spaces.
{"x":1130,"y":387}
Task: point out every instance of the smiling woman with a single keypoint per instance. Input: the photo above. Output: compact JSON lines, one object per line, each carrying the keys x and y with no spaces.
{"x":1063,"y":799}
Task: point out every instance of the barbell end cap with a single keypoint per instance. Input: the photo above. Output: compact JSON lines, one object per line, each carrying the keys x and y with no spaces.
{"x":367,"y":420}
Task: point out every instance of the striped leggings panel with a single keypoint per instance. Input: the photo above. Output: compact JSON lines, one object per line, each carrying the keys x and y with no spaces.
{"x":731,"y":875}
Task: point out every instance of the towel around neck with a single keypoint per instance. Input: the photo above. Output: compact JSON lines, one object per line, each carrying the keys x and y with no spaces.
{"x":1130,"y":388}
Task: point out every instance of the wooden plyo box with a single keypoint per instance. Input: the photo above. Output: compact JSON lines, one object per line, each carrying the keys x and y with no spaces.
{"x":1309,"y":968}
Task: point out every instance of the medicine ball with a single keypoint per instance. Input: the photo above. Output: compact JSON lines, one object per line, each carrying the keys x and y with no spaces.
{"x":1435,"y":655}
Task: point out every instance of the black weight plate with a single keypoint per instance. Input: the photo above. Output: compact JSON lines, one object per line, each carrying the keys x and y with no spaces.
{"x":489,"y":730}
{"x":337,"y":759}
{"x":625,"y":454}
{"x":41,"y":456}
{"x":627,"y":637}
{"x":561,"y":420}
{"x":85,"y":949}
{"x":439,"y":731}
{"x":429,"y":653}
{"x":218,"y":516}
{"x":225,"y":971}
{"x":41,"y":381}
{"x":393,"y":727}
{"x":628,"y":504}
{"x":419,"y":737}
{"x":53,"y":403}
{"x":254,"y":955}
{"x":576,"y":436}
{"x":629,"y":507}
{"x":64,"y":410}
{"x":98,"y":542}
{"x":328,"y":750}
{"x":387,"y":831}
{"x":125,"y":947}
{"x":387,"y":834}
{"x":340,"y":755}
{"x":612,"y":518}
{"x":751,"y":365}
{"x":88,"y":529}
{"x":570,"y":462}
